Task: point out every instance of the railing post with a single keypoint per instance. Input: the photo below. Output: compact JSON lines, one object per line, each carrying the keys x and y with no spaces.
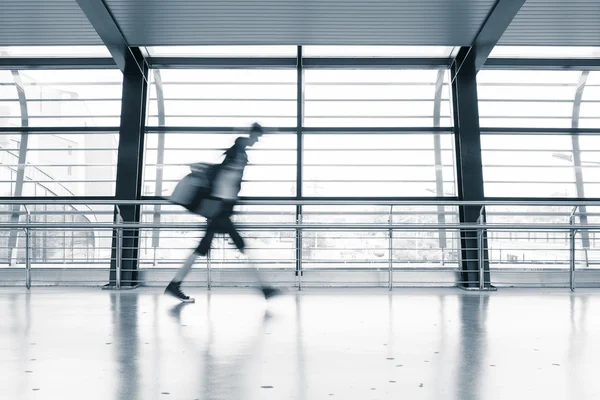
{"x":299,"y":271}
{"x":118,"y":251}
{"x":27,"y":249}
{"x":208,"y":275}
{"x":572,"y":233}
{"x":391,"y":250}
{"x":480,"y":249}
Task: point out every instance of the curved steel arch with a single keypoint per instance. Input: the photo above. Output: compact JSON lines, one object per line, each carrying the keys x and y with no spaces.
{"x":579,"y":183}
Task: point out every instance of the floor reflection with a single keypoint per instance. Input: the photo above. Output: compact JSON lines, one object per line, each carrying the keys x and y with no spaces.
{"x":316,"y":344}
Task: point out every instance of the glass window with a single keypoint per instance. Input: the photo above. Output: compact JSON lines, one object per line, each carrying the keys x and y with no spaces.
{"x":267,"y":249}
{"x":590,"y":164}
{"x":528,"y":166}
{"x":58,"y":98}
{"x":370,"y":248}
{"x":528,"y":249}
{"x":222,"y":51}
{"x":55,"y":248}
{"x":527,"y":99}
{"x":374,"y":98}
{"x":74,"y":164}
{"x":271,"y":170}
{"x":54,"y":51}
{"x":377,"y":51}
{"x":545,"y":52}
{"x":387,"y":165}
{"x":225,"y":98}
{"x":541,"y":249}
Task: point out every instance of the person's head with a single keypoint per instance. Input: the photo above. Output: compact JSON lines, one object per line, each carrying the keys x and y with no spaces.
{"x":256,"y":131}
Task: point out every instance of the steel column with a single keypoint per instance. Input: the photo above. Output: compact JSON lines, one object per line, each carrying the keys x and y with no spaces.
{"x":129,"y":167}
{"x":468,"y":167}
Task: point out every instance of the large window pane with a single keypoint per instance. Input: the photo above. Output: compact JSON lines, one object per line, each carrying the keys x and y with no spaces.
{"x":74,"y":164}
{"x":545,"y":52}
{"x":58,"y":98}
{"x":55,"y":248}
{"x":54,"y":51}
{"x":528,"y":166}
{"x":373,"y":98}
{"x":222,"y":51}
{"x":527,"y":99}
{"x":393,"y":165}
{"x":267,"y":249}
{"x":271,"y":170}
{"x":377,"y":51}
{"x":590,"y":164}
{"x":546,"y":249}
{"x":225,"y":98}
{"x":370,"y":248}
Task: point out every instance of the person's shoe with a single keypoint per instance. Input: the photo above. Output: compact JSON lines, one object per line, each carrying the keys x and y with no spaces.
{"x":174,"y":289}
{"x":269,"y":292}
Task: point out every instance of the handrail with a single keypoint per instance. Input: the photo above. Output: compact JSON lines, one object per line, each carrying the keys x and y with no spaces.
{"x":313,"y":226}
{"x":319,"y":202}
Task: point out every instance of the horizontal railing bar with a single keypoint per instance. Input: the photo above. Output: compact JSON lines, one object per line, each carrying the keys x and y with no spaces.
{"x":308,"y":227}
{"x":317,"y":202}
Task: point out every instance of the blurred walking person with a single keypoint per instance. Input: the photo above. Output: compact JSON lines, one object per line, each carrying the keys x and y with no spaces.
{"x":217,"y":205}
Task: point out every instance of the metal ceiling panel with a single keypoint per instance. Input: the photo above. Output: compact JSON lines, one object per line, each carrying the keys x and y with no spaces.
{"x":555,"y":23}
{"x":44,"y":22}
{"x":306,"y":22}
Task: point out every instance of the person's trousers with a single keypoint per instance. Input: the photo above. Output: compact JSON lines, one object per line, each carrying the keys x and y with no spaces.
{"x":220,"y":224}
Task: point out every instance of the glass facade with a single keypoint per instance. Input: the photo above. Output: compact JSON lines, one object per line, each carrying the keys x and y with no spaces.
{"x":534,"y":152}
{"x":223,"y":97}
{"x":379,"y":165}
{"x":59,"y":138}
{"x":375,"y":98}
{"x":365,"y":132}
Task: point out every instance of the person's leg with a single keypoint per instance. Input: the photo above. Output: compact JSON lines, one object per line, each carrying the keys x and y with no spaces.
{"x":204,"y":246}
{"x":185,"y":268}
{"x":267,"y":291}
{"x":174,"y":287}
{"x":226,"y":224}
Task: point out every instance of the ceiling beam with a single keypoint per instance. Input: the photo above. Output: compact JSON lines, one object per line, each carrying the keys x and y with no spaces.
{"x":488,"y":36}
{"x":105,"y":25}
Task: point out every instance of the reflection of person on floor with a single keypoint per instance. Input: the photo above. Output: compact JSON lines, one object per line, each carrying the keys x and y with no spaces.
{"x":225,"y":189}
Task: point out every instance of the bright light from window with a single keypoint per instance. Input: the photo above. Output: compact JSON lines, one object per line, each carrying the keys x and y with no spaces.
{"x":222,"y":51}
{"x":544,"y":52}
{"x":377,"y":51}
{"x":54,"y":51}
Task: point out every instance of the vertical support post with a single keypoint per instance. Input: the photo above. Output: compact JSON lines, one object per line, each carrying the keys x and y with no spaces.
{"x":468,"y":166}
{"x":208,"y":270}
{"x":299,"y":271}
{"x":119,"y":255}
{"x":27,"y":250}
{"x":391,"y":250}
{"x":481,"y":249}
{"x":130,"y":164}
{"x":572,"y":256}
{"x":299,"y":161}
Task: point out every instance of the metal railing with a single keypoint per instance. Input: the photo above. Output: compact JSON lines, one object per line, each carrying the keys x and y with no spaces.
{"x":392,"y":236}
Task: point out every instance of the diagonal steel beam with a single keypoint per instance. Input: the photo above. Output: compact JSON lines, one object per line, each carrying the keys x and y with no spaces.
{"x":488,"y":36}
{"x":102,"y":20}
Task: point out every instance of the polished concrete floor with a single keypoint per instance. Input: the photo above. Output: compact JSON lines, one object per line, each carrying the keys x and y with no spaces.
{"x":58,"y":343}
